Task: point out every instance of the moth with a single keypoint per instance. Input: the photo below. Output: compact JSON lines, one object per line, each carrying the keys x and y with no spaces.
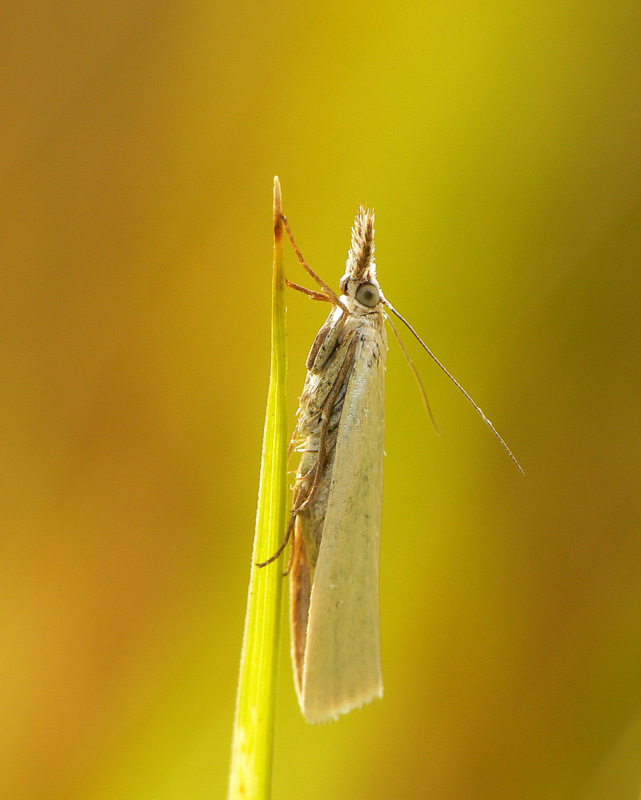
{"x":335,"y":518}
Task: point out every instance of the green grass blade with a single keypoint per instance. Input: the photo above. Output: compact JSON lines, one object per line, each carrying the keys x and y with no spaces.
{"x":252,"y":748}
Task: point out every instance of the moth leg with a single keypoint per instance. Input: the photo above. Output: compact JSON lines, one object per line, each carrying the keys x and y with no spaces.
{"x":308,"y":292}
{"x":315,"y":401}
{"x":292,"y":441}
{"x":326,"y":414}
{"x":316,"y":470}
{"x":334,"y":298}
{"x":324,"y":344}
{"x":290,"y":524}
{"x":283,"y":544}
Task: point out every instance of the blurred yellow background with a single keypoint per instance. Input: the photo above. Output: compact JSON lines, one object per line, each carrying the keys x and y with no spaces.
{"x":500,"y":144}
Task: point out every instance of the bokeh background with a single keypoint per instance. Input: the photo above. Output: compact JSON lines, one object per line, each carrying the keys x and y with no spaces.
{"x":500,"y":144}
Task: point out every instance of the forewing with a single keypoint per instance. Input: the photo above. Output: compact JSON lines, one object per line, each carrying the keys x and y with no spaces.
{"x":342,"y":659}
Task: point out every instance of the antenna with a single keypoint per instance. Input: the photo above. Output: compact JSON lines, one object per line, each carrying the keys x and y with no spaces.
{"x":450,"y":376}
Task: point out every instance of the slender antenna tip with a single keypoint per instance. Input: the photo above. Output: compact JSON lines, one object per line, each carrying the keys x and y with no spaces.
{"x":455,"y":382}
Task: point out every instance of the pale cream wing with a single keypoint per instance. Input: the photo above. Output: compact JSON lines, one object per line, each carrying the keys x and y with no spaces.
{"x":342,"y":657}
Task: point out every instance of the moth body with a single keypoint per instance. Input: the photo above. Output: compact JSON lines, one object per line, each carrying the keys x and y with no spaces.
{"x":335,"y":520}
{"x":337,"y":501}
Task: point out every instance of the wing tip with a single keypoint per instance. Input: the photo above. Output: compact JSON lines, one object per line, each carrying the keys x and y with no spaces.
{"x":331,"y":710}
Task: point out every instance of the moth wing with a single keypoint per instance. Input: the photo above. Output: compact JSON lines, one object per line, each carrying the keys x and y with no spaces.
{"x":342,"y":667}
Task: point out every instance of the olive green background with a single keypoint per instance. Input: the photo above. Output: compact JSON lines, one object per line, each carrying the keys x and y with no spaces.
{"x":500,"y":144}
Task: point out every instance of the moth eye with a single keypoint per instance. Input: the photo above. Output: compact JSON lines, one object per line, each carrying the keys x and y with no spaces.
{"x":367,"y":295}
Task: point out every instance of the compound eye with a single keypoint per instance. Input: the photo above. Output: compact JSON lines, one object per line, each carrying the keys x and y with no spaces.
{"x":367,"y":295}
